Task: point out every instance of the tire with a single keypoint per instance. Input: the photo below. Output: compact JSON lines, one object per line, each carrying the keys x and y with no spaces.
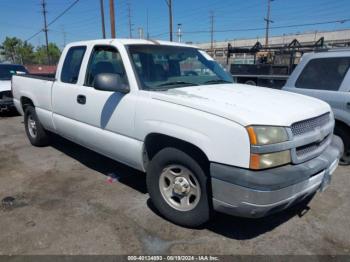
{"x":198,"y":211}
{"x":250,"y":82}
{"x":344,"y":134}
{"x":36,"y":134}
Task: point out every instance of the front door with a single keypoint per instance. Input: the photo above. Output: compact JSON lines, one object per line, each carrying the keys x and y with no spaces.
{"x":106,"y":118}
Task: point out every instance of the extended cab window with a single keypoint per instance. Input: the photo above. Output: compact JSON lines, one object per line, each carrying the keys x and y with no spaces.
{"x":72,"y":64}
{"x":105,"y":59}
{"x":324,"y":73}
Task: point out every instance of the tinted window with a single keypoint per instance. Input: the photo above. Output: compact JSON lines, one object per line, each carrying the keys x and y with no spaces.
{"x":104,"y":59}
{"x":7,"y":71}
{"x":72,"y":64}
{"x":324,"y":73}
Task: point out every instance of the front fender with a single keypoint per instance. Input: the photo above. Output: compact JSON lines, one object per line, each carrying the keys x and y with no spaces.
{"x":222,"y":140}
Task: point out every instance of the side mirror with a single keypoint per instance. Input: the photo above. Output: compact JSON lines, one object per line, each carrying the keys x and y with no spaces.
{"x":110,"y":82}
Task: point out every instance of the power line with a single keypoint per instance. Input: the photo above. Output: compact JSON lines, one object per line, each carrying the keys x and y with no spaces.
{"x":189,"y":15}
{"x":30,"y":38}
{"x":63,"y":12}
{"x":54,"y":20}
{"x":263,"y":28}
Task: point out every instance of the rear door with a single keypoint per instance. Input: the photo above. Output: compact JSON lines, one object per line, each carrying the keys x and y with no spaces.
{"x":325,"y":78}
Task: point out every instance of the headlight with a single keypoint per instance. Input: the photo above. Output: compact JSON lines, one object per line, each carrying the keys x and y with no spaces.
{"x":263,"y":161}
{"x":265,"y":135}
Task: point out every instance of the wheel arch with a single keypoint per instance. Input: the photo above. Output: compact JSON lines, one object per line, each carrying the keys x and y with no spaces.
{"x":25,"y":102}
{"x":341,"y":123}
{"x":154,"y":142}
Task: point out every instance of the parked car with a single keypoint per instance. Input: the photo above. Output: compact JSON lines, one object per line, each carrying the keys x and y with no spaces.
{"x":170,"y":110}
{"x":6,"y":73}
{"x":325,"y":75}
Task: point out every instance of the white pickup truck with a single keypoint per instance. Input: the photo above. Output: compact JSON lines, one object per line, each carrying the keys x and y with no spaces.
{"x":171,"y":111}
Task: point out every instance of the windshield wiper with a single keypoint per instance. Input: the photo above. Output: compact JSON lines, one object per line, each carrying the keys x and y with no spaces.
{"x":177,"y":83}
{"x":217,"y":81}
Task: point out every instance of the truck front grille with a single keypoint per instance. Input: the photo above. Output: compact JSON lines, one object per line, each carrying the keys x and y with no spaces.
{"x":315,"y":135}
{"x":310,"y":148}
{"x":310,"y":125}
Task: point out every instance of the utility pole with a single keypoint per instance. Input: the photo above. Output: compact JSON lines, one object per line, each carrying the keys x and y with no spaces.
{"x":179,"y":33}
{"x":141,"y":34}
{"x":129,"y":20}
{"x":43,"y":4}
{"x":147,"y":26}
{"x":103,"y":19}
{"x":64,"y":34}
{"x":211,"y":30}
{"x":112,"y":18}
{"x":170,"y":7}
{"x":268,"y":21}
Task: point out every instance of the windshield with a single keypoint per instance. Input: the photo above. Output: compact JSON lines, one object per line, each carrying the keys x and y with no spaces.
{"x":7,"y":71}
{"x":165,"y":67}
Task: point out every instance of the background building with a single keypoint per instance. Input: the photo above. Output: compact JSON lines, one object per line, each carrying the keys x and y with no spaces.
{"x":332,"y":39}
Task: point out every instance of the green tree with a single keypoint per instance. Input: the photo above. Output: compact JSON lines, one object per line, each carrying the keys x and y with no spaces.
{"x":26,"y":53}
{"x":17,"y":51}
{"x":41,"y":54}
{"x":10,"y":49}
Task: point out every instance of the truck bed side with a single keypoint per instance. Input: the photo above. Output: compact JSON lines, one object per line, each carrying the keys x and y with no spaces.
{"x":36,"y":90}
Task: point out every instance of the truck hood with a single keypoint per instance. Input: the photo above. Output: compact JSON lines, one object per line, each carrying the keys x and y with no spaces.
{"x":5,"y":85}
{"x":245,"y":104}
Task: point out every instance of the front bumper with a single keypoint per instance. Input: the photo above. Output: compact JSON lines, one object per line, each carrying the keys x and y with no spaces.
{"x":6,"y":104}
{"x":248,"y":193}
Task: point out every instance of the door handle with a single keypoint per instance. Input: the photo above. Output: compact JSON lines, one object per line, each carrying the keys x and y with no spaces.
{"x":81,"y":99}
{"x":348,"y":105}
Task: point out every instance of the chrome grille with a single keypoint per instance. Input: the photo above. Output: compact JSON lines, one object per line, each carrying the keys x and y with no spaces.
{"x":309,"y":125}
{"x":310,"y":148}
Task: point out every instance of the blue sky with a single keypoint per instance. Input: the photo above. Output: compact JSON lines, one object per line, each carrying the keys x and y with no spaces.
{"x":22,"y":18}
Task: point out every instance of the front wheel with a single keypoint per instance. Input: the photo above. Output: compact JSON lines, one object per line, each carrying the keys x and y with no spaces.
{"x":178,"y":187}
{"x":343,"y":133}
{"x":34,"y":130}
{"x":250,"y":82}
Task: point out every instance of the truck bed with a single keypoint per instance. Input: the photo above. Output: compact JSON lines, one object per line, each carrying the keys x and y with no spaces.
{"x":37,"y":88}
{"x":40,"y":77}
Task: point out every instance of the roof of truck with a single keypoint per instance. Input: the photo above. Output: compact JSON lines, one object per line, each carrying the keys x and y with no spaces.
{"x":131,"y":42}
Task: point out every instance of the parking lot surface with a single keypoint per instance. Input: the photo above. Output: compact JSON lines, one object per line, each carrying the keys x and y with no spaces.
{"x":59,"y":200}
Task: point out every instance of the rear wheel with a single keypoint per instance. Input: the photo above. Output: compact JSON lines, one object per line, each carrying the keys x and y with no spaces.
{"x":344,"y":134}
{"x":34,"y":130}
{"x":178,"y":188}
